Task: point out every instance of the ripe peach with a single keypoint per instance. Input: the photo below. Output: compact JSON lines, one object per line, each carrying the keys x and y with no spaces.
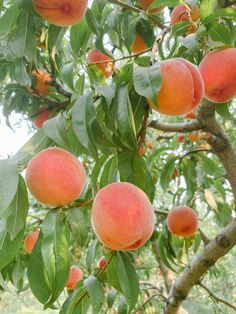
{"x":122,"y":216}
{"x":182,"y":221}
{"x":75,"y":275}
{"x":55,"y":177}
{"x":218,"y":69}
{"x":182,"y":13}
{"x":30,"y":241}
{"x":180,"y":138}
{"x":41,"y":118}
{"x":145,"y":4}
{"x":97,"y":56}
{"x":102,"y":263}
{"x":195,"y":137}
{"x":191,"y":115}
{"x":182,"y":87}
{"x":61,"y":12}
{"x":43,"y":79}
{"x":139,"y":44}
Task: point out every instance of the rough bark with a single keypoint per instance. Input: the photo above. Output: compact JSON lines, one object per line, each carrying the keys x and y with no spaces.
{"x":175,"y":127}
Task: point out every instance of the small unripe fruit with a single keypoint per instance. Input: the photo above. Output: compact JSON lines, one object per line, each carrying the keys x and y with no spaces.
{"x":75,"y":275}
{"x":191,"y":115}
{"x":182,"y":221}
{"x":122,"y":216}
{"x":55,"y":177}
{"x":61,"y":12}
{"x":180,"y":138}
{"x":30,"y":241}
{"x":195,"y":137}
{"x":218,"y":69}
{"x":97,"y":56}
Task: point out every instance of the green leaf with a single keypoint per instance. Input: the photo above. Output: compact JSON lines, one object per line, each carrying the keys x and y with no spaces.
{"x":168,"y":3}
{"x":92,"y":22}
{"x":147,"y":81}
{"x":79,"y":37}
{"x":21,"y":75}
{"x":9,"y":248}
{"x":67,"y":75}
{"x":8,"y":182}
{"x":221,"y":33}
{"x":7,"y":20}
{"x":78,"y":224}
{"x":75,"y":304}
{"x":112,"y":274}
{"x":128,"y":278}
{"x":18,"y":210}
{"x":55,"y":253}
{"x":167,"y":172}
{"x":124,"y":117}
{"x":95,"y":292}
{"x":109,"y":173}
{"x":207,"y":7}
{"x":226,"y":12}
{"x":51,"y":130}
{"x":90,"y":256}
{"x":37,"y":275}
{"x":83,"y":115}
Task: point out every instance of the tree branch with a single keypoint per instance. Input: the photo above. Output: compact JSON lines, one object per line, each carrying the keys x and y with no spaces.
{"x":175,"y":127}
{"x":216,"y":298}
{"x":226,"y":239}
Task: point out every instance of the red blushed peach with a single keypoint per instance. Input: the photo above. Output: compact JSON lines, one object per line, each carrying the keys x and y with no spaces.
{"x":218,"y":69}
{"x":30,"y":241}
{"x":55,"y":177}
{"x":182,"y":221}
{"x":182,"y":13}
{"x":122,"y":216}
{"x":182,"y":87}
{"x":102,"y":263}
{"x":75,"y":275}
{"x":41,"y":118}
{"x":145,"y":4}
{"x":139,"y":44}
{"x":97,"y":56}
{"x":61,"y":12}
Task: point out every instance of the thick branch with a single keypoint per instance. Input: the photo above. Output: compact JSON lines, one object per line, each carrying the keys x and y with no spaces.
{"x":175,"y":127}
{"x":226,"y":239}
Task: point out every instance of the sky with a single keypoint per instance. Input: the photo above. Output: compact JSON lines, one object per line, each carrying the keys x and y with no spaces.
{"x":10,"y":141}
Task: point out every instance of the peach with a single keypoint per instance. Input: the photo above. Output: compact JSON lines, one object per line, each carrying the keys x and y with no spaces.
{"x":139,"y":44}
{"x":182,"y":221}
{"x":191,"y":115}
{"x":97,"y":56}
{"x":102,"y":263}
{"x":141,"y":151}
{"x":182,"y":88}
{"x":218,"y":69}
{"x":61,"y":12}
{"x":41,"y":118}
{"x":180,"y":138}
{"x":145,"y":4}
{"x":30,"y":241}
{"x":195,"y":136}
{"x":75,"y":275}
{"x":175,"y":174}
{"x":42,"y":84}
{"x":122,"y":216}
{"x":182,"y":13}
{"x":55,"y":177}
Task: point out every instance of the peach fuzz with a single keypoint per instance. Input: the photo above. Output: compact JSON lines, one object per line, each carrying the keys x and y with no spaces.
{"x":145,"y":4}
{"x":41,"y":118}
{"x":61,"y":12}
{"x":55,"y":177}
{"x":43,"y":80}
{"x":30,"y":241}
{"x":218,"y":69}
{"x":75,"y":275}
{"x":139,"y":44}
{"x":122,"y":216}
{"x":182,"y":88}
{"x":182,"y":221}
{"x":97,"y":56}
{"x":182,"y":13}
